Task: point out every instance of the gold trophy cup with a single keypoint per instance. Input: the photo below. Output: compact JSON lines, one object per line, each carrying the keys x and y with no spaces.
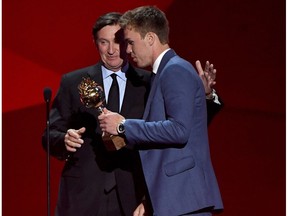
{"x":92,"y":96}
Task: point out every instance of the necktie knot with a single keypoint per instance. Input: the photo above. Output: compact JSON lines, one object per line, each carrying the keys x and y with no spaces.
{"x":114,"y":77}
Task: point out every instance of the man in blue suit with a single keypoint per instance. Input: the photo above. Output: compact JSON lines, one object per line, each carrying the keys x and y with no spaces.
{"x":172,"y":136}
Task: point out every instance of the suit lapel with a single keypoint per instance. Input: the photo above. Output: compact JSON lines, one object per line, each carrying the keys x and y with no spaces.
{"x":136,"y":86}
{"x":95,"y":74}
{"x":167,"y":56}
{"x":128,"y":93}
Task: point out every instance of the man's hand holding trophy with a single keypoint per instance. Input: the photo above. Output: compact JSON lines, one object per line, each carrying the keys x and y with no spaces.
{"x":92,"y":96}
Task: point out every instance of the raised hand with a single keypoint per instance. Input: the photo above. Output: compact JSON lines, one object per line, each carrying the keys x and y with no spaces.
{"x":208,"y":75}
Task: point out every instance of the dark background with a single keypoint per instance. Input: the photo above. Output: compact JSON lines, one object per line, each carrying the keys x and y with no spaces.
{"x":42,"y":40}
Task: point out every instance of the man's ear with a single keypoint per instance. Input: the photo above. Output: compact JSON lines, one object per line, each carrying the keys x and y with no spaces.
{"x":151,"y":37}
{"x":95,"y":42}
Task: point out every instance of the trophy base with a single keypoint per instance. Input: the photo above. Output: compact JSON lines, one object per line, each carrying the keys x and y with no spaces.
{"x":113,"y":143}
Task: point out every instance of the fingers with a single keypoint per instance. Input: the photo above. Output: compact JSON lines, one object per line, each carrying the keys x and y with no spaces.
{"x":209,"y":70}
{"x":207,"y":66}
{"x":199,"y":68}
{"x":81,"y":130}
{"x":105,"y":111}
{"x":109,"y":121}
{"x":140,"y":210}
{"x":136,"y":212}
{"x":73,"y":139}
{"x":108,"y":125}
{"x":210,"y":74}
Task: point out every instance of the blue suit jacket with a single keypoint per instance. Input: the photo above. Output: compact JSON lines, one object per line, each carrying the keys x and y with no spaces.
{"x":173,"y":141}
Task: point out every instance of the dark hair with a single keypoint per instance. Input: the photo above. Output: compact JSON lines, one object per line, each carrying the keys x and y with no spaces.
{"x":147,"y":19}
{"x":104,"y":20}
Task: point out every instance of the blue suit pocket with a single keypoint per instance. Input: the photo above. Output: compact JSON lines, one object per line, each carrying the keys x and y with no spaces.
{"x":179,"y":166}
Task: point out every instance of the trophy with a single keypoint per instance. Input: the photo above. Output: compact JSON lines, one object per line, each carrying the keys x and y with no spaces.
{"x":92,"y":96}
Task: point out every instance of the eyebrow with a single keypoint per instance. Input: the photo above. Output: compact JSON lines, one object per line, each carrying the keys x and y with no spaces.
{"x":102,"y":39}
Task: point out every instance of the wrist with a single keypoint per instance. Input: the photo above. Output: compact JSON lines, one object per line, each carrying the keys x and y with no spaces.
{"x":121,"y":128}
{"x":211,"y":95}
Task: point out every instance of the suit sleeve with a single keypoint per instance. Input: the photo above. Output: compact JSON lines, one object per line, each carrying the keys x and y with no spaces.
{"x":213,"y":108}
{"x":172,"y":109}
{"x":58,"y":122}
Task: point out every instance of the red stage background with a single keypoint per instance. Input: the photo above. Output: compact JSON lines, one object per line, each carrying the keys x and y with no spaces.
{"x":244,"y":39}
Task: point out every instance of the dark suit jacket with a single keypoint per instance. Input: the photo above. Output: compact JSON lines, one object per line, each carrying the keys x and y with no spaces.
{"x":92,"y":171}
{"x":213,"y":108}
{"x":173,"y":137}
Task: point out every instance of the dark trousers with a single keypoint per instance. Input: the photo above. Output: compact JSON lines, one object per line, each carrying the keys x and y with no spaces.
{"x":110,"y":205}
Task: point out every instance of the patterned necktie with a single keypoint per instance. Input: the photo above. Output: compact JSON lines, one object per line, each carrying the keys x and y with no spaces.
{"x":113,"y":96}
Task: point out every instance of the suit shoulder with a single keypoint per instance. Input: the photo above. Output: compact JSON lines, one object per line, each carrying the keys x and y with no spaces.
{"x":138,"y":74}
{"x":178,"y":60}
{"x":182,"y":64}
{"x":80,"y":71}
{"x":78,"y":74}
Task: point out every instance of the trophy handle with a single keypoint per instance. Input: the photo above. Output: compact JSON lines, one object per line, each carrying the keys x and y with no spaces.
{"x":112,"y":142}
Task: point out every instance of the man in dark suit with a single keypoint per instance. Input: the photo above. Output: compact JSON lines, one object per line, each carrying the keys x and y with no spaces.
{"x":172,"y":136}
{"x":95,"y":181}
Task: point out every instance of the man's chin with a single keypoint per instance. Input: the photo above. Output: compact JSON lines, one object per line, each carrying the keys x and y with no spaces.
{"x":113,"y":67}
{"x":140,"y":65}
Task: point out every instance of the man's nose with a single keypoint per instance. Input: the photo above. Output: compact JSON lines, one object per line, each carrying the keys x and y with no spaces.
{"x":112,"y":48}
{"x":128,"y":49}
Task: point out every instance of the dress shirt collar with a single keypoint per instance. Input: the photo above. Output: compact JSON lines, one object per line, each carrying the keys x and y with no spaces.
{"x":158,"y":60}
{"x":121,"y":73}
